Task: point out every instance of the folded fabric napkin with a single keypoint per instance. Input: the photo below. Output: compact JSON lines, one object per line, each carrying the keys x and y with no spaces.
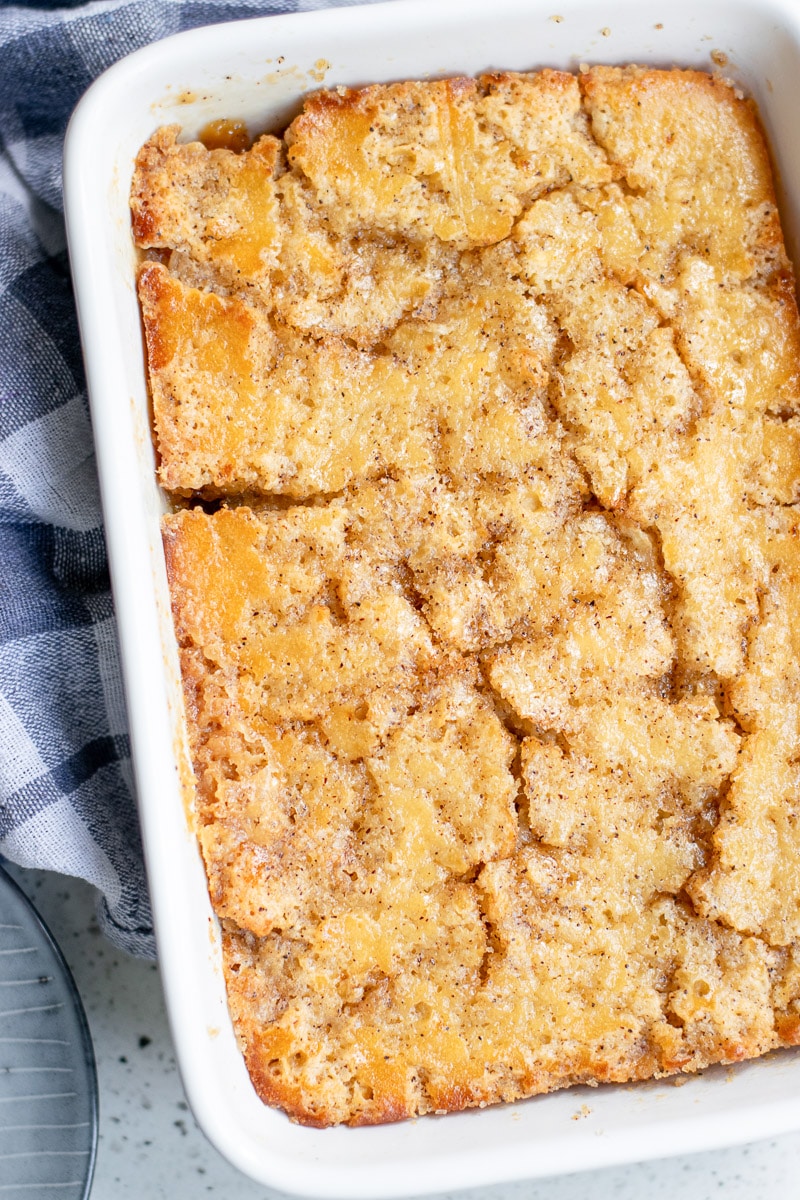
{"x":66,"y":788}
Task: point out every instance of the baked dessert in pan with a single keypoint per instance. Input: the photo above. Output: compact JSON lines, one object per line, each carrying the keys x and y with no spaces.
{"x":478,"y":401}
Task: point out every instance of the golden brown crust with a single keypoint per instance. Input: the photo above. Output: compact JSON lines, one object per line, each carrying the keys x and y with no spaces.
{"x":493,"y":683}
{"x":219,"y":205}
{"x":789,"y":1029}
{"x":455,"y":157}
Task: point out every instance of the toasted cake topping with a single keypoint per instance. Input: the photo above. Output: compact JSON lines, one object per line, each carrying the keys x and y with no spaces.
{"x":480,"y":403}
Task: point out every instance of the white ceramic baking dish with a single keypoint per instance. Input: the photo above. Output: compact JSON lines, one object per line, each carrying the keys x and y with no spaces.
{"x":259,"y":70}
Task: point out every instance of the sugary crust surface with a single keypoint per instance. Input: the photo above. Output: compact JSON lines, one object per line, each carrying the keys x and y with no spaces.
{"x":491,"y":650}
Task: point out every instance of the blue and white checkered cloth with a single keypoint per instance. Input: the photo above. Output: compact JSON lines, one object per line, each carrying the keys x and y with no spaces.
{"x":66,"y":791}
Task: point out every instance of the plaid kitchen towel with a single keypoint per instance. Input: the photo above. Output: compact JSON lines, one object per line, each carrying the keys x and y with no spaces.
{"x":66,"y":792}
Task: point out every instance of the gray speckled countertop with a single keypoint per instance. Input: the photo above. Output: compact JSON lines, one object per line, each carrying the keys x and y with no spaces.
{"x":151,"y":1149}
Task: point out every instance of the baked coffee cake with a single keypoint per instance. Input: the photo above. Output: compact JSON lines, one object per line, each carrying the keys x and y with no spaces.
{"x":479,"y":405}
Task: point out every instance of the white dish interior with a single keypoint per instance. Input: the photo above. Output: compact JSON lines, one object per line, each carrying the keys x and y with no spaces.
{"x":259,"y":70}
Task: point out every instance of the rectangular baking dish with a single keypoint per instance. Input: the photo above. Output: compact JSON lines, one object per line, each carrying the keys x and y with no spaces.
{"x":259,"y":70}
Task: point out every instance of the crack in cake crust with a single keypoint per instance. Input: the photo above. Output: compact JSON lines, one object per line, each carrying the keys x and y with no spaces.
{"x":490,"y":653}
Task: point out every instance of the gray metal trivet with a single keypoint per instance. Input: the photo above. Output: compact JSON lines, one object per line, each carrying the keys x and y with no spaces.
{"x":48,"y":1084}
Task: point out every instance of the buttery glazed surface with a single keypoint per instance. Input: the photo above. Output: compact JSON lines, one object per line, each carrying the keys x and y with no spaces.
{"x":491,"y":654}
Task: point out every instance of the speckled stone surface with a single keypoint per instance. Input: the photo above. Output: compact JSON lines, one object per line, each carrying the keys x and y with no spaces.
{"x":151,"y":1149}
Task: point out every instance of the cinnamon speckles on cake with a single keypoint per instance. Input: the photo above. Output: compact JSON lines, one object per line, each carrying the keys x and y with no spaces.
{"x":482,"y":402}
